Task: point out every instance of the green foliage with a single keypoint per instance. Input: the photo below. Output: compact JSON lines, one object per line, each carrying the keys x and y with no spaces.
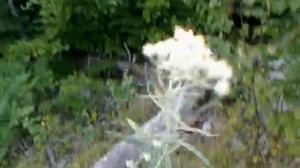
{"x":36,"y":48}
{"x":253,"y":114}
{"x":150,"y":19}
{"x":122,"y":92}
{"x":22,"y":85}
{"x":42,"y":91}
{"x":87,"y":101}
{"x":10,"y":26}
{"x":16,"y":102}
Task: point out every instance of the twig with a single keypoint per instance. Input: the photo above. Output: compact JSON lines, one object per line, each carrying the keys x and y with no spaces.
{"x":12,"y":8}
{"x":51,"y":158}
{"x":128,"y":52}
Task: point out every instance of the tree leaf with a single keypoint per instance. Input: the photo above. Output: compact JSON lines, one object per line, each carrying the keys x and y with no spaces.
{"x":294,"y":5}
{"x":278,"y":7}
{"x":132,"y":124}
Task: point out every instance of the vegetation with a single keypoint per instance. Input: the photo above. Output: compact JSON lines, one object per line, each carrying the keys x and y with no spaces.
{"x":61,"y":88}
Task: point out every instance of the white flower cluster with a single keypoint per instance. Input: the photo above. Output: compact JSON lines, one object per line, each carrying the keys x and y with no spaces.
{"x":187,"y":58}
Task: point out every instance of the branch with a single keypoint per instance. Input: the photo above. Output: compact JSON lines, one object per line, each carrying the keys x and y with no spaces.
{"x":51,"y":157}
{"x":12,"y":8}
{"x":123,"y":151}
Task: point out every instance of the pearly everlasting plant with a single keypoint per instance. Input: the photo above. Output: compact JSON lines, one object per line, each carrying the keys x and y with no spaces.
{"x":185,"y":68}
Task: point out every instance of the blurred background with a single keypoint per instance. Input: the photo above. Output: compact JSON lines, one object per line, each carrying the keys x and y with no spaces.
{"x":72,"y":69}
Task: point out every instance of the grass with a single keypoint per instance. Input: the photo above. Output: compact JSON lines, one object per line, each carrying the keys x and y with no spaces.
{"x":139,"y":111}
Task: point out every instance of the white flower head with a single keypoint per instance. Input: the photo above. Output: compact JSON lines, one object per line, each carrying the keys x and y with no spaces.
{"x":131,"y":164}
{"x":146,"y":156}
{"x":186,"y":57}
{"x":219,"y":70}
{"x":156,"y":143}
{"x":222,"y":88}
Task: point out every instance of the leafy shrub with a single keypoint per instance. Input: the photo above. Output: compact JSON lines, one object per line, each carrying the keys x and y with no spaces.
{"x":16,"y":104}
{"x":36,"y":85}
{"x":89,"y":101}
